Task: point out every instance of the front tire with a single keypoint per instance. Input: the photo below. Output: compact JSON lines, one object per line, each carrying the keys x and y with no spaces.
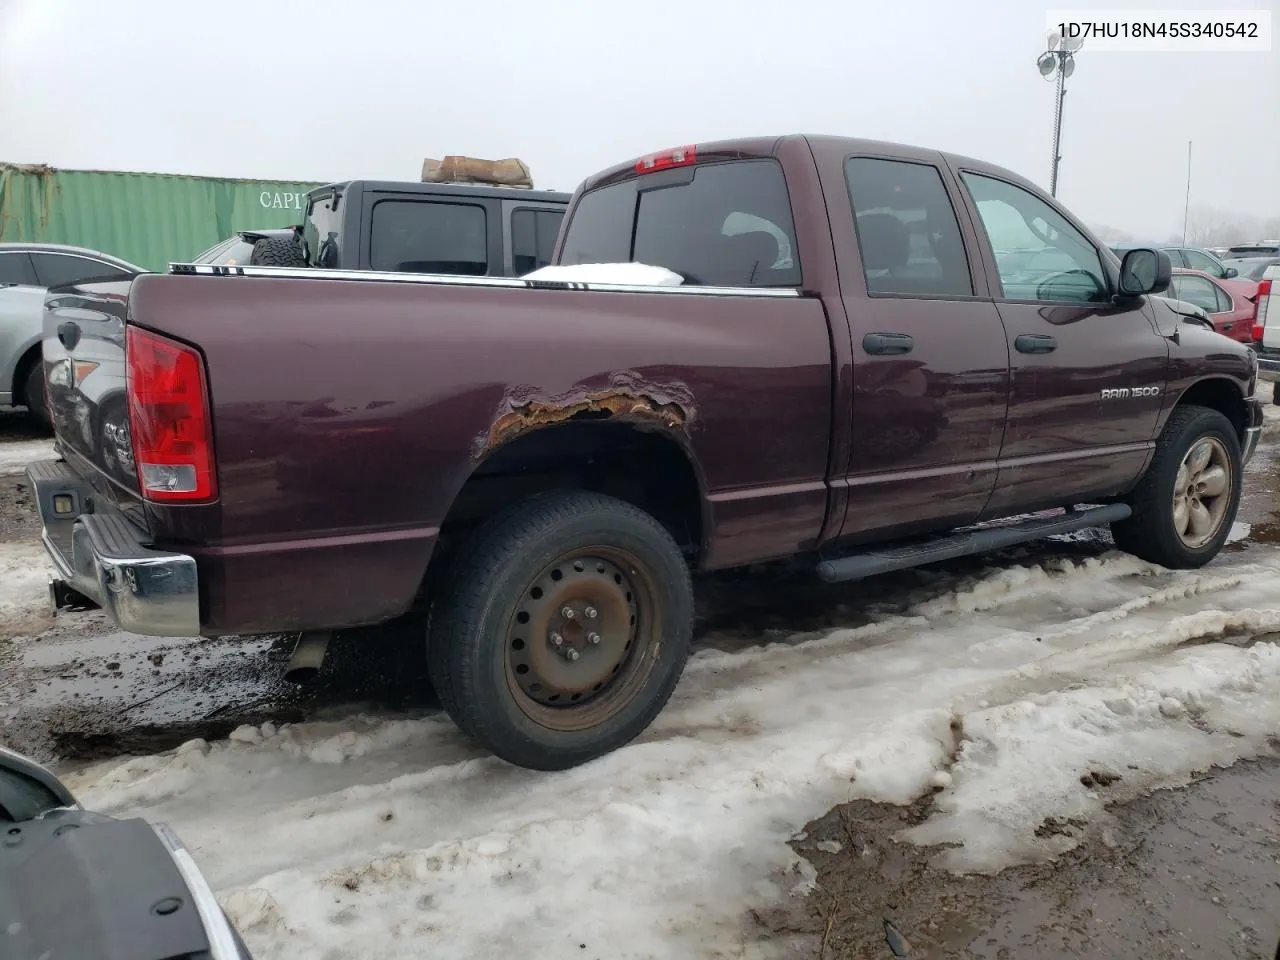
{"x":562,"y":629}
{"x":33,"y":393}
{"x":1186,"y":502}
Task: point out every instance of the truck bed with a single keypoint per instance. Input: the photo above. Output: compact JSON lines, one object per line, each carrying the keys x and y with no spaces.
{"x":383,"y":386}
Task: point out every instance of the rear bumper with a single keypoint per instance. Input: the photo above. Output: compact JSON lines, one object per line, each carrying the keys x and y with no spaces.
{"x":100,"y":555}
{"x":1268,"y":357}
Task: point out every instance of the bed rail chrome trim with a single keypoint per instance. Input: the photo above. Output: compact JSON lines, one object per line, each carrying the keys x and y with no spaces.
{"x":378,"y":276}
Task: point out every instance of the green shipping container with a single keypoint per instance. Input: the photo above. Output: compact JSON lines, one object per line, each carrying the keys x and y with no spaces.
{"x":150,"y":219}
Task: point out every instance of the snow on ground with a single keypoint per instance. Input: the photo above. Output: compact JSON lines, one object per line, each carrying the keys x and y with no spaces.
{"x":389,"y":838}
{"x":25,"y":570}
{"x":15,"y":455}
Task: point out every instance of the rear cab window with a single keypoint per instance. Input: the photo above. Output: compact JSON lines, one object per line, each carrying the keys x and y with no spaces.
{"x":725,"y":223}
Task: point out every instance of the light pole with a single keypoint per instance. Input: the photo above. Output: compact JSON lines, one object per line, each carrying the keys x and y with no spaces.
{"x":1057,"y":63}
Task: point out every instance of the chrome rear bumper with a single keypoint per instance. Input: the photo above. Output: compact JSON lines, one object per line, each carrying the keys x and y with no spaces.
{"x":100,"y":555}
{"x":1251,"y":437}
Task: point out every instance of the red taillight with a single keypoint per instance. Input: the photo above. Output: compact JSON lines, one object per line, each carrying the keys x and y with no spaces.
{"x":169,"y":419}
{"x":679,"y":157}
{"x":1260,"y":309}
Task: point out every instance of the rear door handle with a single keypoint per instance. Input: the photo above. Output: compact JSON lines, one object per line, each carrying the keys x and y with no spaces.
{"x":887,"y":344}
{"x":1035,"y":343}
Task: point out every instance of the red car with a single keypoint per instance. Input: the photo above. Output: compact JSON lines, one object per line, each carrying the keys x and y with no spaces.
{"x":1231,"y":304}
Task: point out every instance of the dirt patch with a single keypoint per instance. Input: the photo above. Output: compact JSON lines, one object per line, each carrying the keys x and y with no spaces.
{"x":1189,"y":873}
{"x":18,"y":517}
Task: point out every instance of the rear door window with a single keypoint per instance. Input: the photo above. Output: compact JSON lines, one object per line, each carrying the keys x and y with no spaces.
{"x":720,"y":224}
{"x":15,"y":267}
{"x":908,"y":234}
{"x":57,"y":269}
{"x":417,"y":236}
{"x":533,"y":238}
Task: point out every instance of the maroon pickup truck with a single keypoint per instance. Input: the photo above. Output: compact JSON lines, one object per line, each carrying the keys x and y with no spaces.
{"x":878,"y":357}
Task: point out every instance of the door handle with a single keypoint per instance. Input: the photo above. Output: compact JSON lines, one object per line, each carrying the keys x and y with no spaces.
{"x":1035,"y":343}
{"x":69,"y":334}
{"x":887,"y":344}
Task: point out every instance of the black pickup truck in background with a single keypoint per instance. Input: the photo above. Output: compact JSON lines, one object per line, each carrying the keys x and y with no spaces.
{"x":438,"y":228}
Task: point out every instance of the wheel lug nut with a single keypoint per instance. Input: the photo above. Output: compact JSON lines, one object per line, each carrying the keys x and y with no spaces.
{"x":556,"y":639}
{"x":591,"y":613}
{"x":572,"y":654}
{"x":566,"y":612}
{"x":593,"y":638}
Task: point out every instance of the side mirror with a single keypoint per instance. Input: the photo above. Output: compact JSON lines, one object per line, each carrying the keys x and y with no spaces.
{"x":1230,"y":272}
{"x":1144,"y":271}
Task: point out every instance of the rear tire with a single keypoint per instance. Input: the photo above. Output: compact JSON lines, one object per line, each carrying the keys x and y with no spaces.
{"x":33,"y":393}
{"x":277,"y":252}
{"x":1183,"y":508}
{"x":562,"y":629}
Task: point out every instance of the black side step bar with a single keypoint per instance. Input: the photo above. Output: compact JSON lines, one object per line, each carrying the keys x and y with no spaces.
{"x":983,"y":540}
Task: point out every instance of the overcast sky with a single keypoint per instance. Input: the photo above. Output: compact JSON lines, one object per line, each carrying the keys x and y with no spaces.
{"x":326,"y":90}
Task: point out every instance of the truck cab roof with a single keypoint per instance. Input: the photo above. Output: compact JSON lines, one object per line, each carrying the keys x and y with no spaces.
{"x":459,"y":190}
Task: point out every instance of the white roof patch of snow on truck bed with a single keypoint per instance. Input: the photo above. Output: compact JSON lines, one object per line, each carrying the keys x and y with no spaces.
{"x":622,"y":274}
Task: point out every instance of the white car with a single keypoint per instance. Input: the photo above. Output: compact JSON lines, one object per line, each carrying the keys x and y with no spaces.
{"x":27,"y":270}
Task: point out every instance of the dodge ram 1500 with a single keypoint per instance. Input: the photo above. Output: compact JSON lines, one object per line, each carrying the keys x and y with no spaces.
{"x":879,"y":356}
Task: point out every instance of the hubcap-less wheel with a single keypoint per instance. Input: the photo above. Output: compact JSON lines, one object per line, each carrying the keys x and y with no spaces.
{"x":579,"y":643}
{"x":1202,"y":492}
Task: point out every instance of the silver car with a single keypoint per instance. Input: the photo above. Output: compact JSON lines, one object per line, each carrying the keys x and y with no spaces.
{"x":27,"y":270}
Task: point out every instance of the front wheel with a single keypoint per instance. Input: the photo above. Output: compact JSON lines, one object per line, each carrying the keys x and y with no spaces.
{"x":563,"y":629}
{"x":1185,"y":504}
{"x":33,"y":393}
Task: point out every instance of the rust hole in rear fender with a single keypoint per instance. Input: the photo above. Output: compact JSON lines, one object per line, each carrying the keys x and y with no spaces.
{"x":628,"y":397}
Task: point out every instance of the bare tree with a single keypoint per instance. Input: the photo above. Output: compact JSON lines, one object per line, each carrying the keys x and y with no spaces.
{"x":1108,"y":234}
{"x":1210,"y":227}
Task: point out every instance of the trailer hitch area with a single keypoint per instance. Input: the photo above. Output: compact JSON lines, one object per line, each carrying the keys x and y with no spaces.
{"x":63,"y":596}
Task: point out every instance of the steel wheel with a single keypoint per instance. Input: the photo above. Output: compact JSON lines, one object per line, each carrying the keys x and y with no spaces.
{"x":1202,"y":492}
{"x":561,"y":628}
{"x":576,"y":644}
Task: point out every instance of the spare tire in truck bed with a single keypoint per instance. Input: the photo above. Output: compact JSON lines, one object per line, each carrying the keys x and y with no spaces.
{"x":277,"y":252}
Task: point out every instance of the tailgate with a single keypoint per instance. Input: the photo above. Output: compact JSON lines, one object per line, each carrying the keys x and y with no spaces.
{"x":84,"y":331}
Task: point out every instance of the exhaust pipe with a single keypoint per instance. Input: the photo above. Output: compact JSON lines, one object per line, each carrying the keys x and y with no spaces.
{"x":308,"y":655}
